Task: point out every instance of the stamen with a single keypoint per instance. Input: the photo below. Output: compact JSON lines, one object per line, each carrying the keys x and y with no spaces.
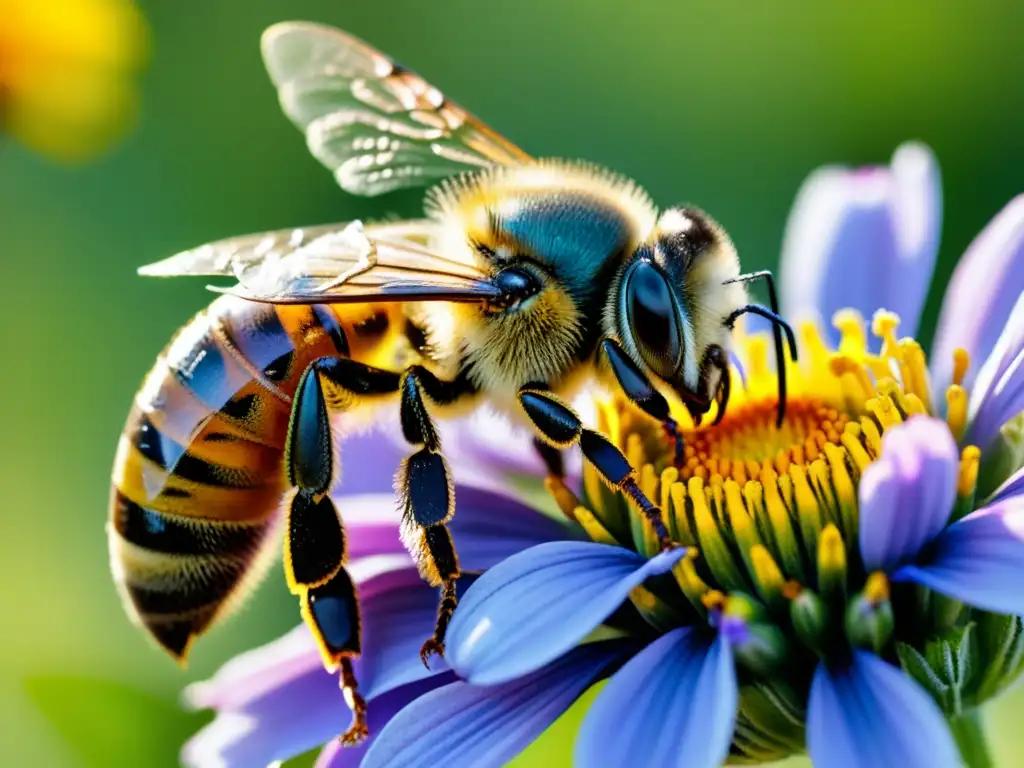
{"x":843,"y":366}
{"x":970,"y":459}
{"x":851,"y":440}
{"x":961,"y":362}
{"x":914,"y":368}
{"x":812,"y":347}
{"x":808,"y":511}
{"x":883,"y":325}
{"x":850,"y":325}
{"x":592,"y":526}
{"x":564,"y":498}
{"x":712,"y":545}
{"x":760,"y":376}
{"x":781,"y":525}
{"x":714,"y":600}
{"x":690,"y":583}
{"x":956,"y":410}
{"x":767,"y":577}
{"x":876,"y":589}
{"x":832,"y":565}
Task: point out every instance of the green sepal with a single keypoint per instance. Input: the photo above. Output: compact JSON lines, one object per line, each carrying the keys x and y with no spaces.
{"x":812,"y":621}
{"x":752,"y":745}
{"x":772,"y":707}
{"x":1003,"y":457}
{"x":915,"y":665}
{"x":946,"y":668}
{"x":868,"y":624}
{"x":1000,"y":654}
{"x":765,"y":651}
{"x":944,"y":612}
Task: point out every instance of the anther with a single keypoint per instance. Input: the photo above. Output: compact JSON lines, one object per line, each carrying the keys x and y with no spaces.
{"x":956,"y":410}
{"x":850,"y":325}
{"x":883,"y":325}
{"x":961,"y":362}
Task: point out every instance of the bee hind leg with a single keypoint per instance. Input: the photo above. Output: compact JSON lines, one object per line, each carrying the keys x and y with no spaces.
{"x":314,"y":542}
{"x":560,"y":427}
{"x":641,"y":392}
{"x":428,"y":493}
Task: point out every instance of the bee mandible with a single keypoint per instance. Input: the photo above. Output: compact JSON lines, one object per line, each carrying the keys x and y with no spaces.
{"x":526,"y":280}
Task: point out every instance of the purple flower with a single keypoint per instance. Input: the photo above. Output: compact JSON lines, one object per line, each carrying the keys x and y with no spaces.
{"x":824,"y":566}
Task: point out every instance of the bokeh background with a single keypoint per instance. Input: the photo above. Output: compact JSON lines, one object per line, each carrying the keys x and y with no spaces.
{"x":727,"y":104}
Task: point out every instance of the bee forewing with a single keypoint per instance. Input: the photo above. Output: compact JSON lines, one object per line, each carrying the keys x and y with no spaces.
{"x":347,"y":266}
{"x":376,"y":125}
{"x":224,"y":257}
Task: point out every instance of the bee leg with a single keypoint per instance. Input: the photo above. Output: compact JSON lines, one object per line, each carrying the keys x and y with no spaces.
{"x":314,"y":543}
{"x":638,"y":388}
{"x":555,"y":481}
{"x":560,"y":427}
{"x":716,"y":359}
{"x":428,"y":494}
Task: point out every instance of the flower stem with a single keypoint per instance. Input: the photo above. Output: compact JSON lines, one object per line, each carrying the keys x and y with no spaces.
{"x":970,"y":739}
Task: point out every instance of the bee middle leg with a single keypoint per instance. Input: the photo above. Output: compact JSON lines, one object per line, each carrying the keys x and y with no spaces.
{"x":561,"y":427}
{"x":314,"y":542}
{"x":428,"y":493}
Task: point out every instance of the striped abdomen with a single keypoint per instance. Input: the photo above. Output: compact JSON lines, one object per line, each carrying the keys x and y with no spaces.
{"x":198,"y":474}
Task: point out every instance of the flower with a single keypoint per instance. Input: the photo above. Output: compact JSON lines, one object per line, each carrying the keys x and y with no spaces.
{"x":67,"y":72}
{"x":846,"y":582}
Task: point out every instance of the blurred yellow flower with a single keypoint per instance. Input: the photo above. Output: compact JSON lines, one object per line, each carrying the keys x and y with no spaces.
{"x":67,"y":73}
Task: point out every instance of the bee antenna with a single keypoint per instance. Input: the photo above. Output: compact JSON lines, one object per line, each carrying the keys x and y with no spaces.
{"x":779,"y":326}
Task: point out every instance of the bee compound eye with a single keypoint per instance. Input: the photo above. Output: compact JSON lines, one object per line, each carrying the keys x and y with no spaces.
{"x":516,"y":285}
{"x":652,"y":319}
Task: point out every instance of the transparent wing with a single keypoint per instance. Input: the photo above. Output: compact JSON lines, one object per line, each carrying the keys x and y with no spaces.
{"x":333,"y":264}
{"x":376,"y":125}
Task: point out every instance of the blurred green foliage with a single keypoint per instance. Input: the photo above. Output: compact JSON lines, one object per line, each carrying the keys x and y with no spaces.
{"x":726,"y":104}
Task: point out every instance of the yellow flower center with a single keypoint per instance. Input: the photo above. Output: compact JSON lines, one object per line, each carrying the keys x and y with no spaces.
{"x":772,"y":511}
{"x":747,"y":441}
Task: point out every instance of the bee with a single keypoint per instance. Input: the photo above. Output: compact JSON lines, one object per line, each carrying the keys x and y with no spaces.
{"x":526,"y":280}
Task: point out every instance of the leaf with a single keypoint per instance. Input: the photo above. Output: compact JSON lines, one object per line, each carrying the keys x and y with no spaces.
{"x":109,"y":723}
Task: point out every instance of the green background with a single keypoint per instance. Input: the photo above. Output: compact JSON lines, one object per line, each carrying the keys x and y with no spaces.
{"x":726,"y":104}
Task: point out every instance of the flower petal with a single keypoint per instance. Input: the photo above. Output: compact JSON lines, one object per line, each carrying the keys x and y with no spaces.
{"x":979,"y":560}
{"x":998,"y":392}
{"x":368,"y":463}
{"x":464,"y":724}
{"x":277,"y":701}
{"x":981,"y":294}
{"x":864,"y":239}
{"x":906,"y":496}
{"x":242,"y":740}
{"x":536,"y":605}
{"x":1013,"y":486}
{"x":871,"y":713}
{"x":674,"y":703}
{"x":487,"y":527}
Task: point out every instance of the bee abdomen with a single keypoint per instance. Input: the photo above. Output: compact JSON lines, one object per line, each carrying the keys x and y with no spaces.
{"x":177,"y":572}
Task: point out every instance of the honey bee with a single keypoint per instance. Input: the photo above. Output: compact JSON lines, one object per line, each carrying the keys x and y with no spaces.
{"x":526,"y":280}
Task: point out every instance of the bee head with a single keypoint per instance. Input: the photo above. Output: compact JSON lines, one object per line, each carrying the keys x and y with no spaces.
{"x":665,"y":292}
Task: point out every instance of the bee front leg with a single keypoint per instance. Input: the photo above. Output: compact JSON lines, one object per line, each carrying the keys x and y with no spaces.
{"x":639,"y":390}
{"x":428,"y":493}
{"x":560,"y":427}
{"x":314,"y":542}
